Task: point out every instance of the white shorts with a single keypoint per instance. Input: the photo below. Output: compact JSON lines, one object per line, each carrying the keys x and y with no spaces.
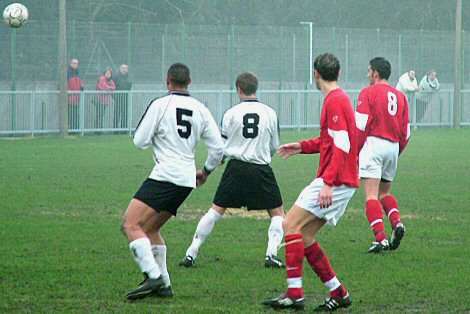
{"x":378,"y":159}
{"x":308,"y":200}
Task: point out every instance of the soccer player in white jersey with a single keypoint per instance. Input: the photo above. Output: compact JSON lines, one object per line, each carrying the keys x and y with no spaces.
{"x":251,"y":133}
{"x":325,"y":199}
{"x":172,"y":125}
{"x":383,"y":129}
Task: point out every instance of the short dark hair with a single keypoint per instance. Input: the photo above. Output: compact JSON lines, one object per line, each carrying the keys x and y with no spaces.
{"x":381,"y":66}
{"x":247,"y":82}
{"x":179,"y":75}
{"x":327,"y":65}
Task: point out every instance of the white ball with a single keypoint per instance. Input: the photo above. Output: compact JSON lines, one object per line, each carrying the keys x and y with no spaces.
{"x":15,"y":15}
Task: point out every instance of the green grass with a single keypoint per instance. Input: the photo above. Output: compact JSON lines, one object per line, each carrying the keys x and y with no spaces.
{"x":62,"y":250}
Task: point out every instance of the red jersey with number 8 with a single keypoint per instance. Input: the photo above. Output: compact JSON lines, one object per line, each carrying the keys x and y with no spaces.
{"x":382,"y":111}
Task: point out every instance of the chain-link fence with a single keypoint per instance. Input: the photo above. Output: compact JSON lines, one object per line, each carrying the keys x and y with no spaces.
{"x":216,"y":54}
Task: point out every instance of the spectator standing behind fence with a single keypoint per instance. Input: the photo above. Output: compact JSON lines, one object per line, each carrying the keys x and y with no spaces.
{"x":74,"y":84}
{"x":427,"y":86}
{"x":102,"y":100}
{"x":121,"y":79}
{"x":408,"y":84}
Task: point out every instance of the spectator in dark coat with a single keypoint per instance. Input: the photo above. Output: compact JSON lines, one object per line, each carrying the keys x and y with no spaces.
{"x":121,"y":79}
{"x":74,"y":84}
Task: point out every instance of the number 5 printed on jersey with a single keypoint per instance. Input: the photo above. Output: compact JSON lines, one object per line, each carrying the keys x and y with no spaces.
{"x":184,"y":126}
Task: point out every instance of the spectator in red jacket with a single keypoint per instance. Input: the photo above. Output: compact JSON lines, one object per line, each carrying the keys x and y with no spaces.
{"x":103,"y":100}
{"x":74,"y":84}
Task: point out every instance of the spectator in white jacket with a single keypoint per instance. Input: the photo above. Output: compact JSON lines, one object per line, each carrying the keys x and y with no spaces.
{"x":429,"y":83}
{"x":407,"y":83}
{"x":427,"y":86}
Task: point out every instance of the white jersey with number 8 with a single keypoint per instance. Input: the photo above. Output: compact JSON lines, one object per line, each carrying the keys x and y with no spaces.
{"x":251,"y":132}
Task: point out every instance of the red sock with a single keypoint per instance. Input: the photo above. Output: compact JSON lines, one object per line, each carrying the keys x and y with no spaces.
{"x":294,"y":263}
{"x":317,"y":258}
{"x":390,"y":206}
{"x":375,"y":218}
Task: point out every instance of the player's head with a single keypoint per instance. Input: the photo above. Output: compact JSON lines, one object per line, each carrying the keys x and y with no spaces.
{"x":74,"y":63}
{"x":411,"y":73}
{"x":326,"y":67}
{"x":379,"y":69}
{"x":178,"y":76}
{"x":247,"y":83}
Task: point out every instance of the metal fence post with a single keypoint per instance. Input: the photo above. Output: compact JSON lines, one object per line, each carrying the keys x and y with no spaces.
{"x":346,"y":59}
{"x":399,"y":54}
{"x":293,"y":58}
{"x":298,"y":110}
{"x":377,"y":42}
{"x":31,"y":103}
{"x":182,"y":42}
{"x":219,"y":107}
{"x":163,"y":53}
{"x":129,"y":112}
{"x":74,"y":40}
{"x":81,"y":113}
{"x":280,"y":57}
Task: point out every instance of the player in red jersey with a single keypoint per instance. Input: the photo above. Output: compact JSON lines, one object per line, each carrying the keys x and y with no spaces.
{"x":326,"y":198}
{"x":383,"y":131}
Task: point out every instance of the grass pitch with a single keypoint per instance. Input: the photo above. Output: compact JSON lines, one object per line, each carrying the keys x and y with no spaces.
{"x":62,"y":250}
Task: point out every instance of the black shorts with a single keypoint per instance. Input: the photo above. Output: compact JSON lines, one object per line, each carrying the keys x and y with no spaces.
{"x":248,"y":184}
{"x":162,"y":196}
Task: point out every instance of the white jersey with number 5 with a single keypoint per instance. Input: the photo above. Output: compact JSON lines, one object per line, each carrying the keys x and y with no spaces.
{"x":173,"y":125}
{"x":251,"y":132}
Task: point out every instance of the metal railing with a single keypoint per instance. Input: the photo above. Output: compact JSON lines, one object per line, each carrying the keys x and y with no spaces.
{"x":37,"y":112}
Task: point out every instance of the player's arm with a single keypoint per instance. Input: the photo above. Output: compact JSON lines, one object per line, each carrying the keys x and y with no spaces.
{"x":147,"y":127}
{"x":311,"y":146}
{"x":275,"y":137}
{"x":338,"y":131}
{"x":363,"y":119}
{"x":215,"y":146}
{"x":223,"y":133}
{"x":405,"y":132}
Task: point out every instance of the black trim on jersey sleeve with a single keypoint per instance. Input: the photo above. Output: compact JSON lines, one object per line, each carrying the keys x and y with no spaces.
{"x":224,"y":136}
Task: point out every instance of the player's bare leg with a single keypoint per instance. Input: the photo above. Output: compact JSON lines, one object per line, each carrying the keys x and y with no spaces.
{"x":159,"y":249}
{"x":390,"y":206}
{"x":275,"y":236}
{"x":374,"y":215}
{"x":136,"y":218}
{"x":203,"y":229}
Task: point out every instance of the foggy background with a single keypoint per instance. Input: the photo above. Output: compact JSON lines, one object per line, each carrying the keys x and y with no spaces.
{"x":220,"y":38}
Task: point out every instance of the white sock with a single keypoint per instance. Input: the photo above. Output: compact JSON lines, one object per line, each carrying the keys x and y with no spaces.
{"x":275,"y":235}
{"x":204,"y":228}
{"x":142,"y":252}
{"x":159,"y":253}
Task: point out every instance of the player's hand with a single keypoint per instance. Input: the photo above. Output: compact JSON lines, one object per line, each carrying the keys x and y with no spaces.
{"x":325,"y":198}
{"x":290,"y":149}
{"x":201,"y":177}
